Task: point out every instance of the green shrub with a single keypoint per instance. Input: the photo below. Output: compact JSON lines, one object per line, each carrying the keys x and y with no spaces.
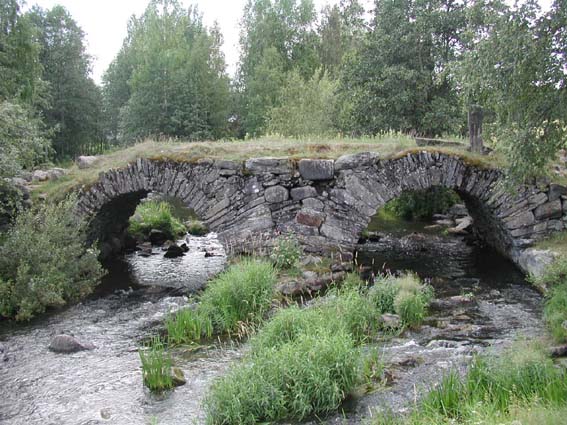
{"x":520,"y":376}
{"x":234,"y":302}
{"x":156,"y":366}
{"x":188,"y":325}
{"x":197,"y":228}
{"x":405,"y":296}
{"x":310,"y":375}
{"x":422,"y":205}
{"x":44,"y":261}
{"x":286,"y":253}
{"x":155,"y":215}
{"x":555,"y":312}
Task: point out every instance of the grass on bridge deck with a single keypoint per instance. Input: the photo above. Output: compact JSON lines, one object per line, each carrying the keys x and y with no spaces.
{"x":387,"y":145}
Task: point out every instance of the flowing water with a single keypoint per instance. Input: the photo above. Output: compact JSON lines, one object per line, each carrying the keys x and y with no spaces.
{"x":482,"y":304}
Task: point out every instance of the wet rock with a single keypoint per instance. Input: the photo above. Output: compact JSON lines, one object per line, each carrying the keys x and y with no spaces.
{"x":292,"y":288}
{"x":105,"y":413}
{"x":559,"y":351}
{"x":535,"y":261}
{"x":445,"y":222}
{"x":370,"y":236}
{"x":68,"y":344}
{"x":317,"y":169}
{"x":174,"y":251}
{"x":177,"y":377}
{"x":458,"y":210}
{"x":157,"y":237}
{"x":86,"y":161}
{"x":390,"y":321}
{"x":464,"y":226}
{"x":436,"y":217}
{"x":184,"y":247}
{"x":40,"y":176}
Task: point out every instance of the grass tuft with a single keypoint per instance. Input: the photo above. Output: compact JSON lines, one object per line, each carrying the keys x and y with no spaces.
{"x":156,"y":215}
{"x":156,"y":366}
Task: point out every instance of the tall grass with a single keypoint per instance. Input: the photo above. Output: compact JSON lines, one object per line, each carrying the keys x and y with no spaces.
{"x":406,"y":296}
{"x":521,"y":386}
{"x":156,"y":365}
{"x":303,"y":362}
{"x":234,"y":302}
{"x":155,"y":215}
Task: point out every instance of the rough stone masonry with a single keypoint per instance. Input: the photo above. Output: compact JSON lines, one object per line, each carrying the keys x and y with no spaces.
{"x":325,"y":203}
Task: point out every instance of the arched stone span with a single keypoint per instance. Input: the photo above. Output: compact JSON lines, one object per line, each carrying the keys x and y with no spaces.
{"x":326,"y":203}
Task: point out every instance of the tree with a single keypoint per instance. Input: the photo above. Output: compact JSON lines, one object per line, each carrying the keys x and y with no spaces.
{"x":20,"y":67}
{"x":169,"y":78}
{"x":515,"y":67}
{"x":341,"y":30}
{"x":306,"y":107}
{"x":74,"y":99}
{"x":276,"y":37}
{"x":399,"y":78}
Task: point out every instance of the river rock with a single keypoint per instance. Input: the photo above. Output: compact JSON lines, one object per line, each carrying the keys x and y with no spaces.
{"x":174,"y":251}
{"x":85,"y":161}
{"x":457,"y":211}
{"x":177,"y":377}
{"x":390,"y":321}
{"x":68,"y":344}
{"x":463,"y":226}
{"x":157,"y":237}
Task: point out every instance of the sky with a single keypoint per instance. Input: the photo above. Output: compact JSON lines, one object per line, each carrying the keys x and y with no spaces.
{"x":104,"y":23}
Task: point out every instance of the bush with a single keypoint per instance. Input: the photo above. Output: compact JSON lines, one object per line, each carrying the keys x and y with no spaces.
{"x":197,"y":228}
{"x":156,"y":366}
{"x":422,"y":205}
{"x":44,"y":261}
{"x":234,"y":302}
{"x":310,"y":375}
{"x":405,"y":296}
{"x":521,"y":376}
{"x":286,"y":253}
{"x":155,"y":215}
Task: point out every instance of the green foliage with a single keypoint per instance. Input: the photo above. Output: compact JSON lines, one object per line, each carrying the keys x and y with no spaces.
{"x":197,"y":228}
{"x":169,"y":79}
{"x":44,"y":261}
{"x":235,"y":302}
{"x":519,"y":377}
{"x":23,"y":142}
{"x":422,"y":205}
{"x":514,"y":67}
{"x":398,"y":79}
{"x":10,"y":202}
{"x":555,"y":312}
{"x":286,"y":252}
{"x":306,"y":107}
{"x":310,"y":375}
{"x":156,"y":366}
{"x":74,"y":104}
{"x":155,"y":215}
{"x":405,"y":296}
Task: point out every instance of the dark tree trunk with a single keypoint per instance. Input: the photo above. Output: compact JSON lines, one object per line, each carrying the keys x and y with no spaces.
{"x":476,"y":116}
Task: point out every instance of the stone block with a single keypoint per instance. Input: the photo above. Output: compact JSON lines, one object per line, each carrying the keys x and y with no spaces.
{"x":300,"y":193}
{"x":310,"y":218}
{"x":362,"y":159}
{"x":317,"y":169}
{"x":548,"y":210}
{"x":268,"y":165}
{"x":556,"y":191}
{"x":313,"y":204}
{"x":276,"y":194}
{"x":521,"y":220}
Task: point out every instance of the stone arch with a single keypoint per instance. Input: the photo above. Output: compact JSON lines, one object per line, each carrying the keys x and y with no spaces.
{"x":326,"y":203}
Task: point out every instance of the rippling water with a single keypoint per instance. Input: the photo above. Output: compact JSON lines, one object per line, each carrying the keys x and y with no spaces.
{"x":104,"y":386}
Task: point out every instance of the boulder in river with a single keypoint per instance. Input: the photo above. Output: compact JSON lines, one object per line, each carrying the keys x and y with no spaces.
{"x":174,"y":251}
{"x":157,"y":237}
{"x":177,"y":377}
{"x":68,"y":344}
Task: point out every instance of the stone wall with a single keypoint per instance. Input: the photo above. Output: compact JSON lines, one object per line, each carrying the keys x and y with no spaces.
{"x":326,"y":203}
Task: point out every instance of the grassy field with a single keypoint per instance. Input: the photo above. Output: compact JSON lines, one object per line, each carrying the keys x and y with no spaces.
{"x":388,"y":145}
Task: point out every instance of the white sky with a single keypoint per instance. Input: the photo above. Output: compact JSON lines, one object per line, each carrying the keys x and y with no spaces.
{"x":104,"y":22}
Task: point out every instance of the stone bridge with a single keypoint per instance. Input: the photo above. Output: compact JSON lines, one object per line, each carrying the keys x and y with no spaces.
{"x":326,"y":203}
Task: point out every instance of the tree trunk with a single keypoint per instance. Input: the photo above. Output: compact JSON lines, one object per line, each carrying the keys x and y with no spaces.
{"x":476,"y":116}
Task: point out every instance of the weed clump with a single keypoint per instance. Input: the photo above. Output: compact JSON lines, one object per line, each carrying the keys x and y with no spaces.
{"x":155,"y":215}
{"x":156,"y":366}
{"x":286,"y":253}
{"x":233,"y":303}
